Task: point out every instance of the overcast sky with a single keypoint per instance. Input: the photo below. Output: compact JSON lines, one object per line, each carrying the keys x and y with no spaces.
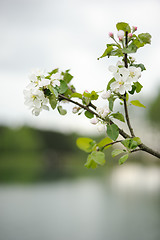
{"x":69,"y":34}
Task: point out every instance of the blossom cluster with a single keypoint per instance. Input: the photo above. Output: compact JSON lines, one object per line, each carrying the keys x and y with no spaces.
{"x":124,"y":77}
{"x":34,"y":95}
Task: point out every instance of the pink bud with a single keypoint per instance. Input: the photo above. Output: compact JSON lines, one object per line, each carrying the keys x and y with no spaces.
{"x":120,"y":38}
{"x":130,"y":35}
{"x":111,"y":34}
{"x":86,"y":91}
{"x":134,"y":28}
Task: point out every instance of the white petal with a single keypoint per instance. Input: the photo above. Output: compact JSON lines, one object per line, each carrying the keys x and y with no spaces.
{"x":94,"y":120}
{"x":112,"y":69}
{"x":37,"y":103}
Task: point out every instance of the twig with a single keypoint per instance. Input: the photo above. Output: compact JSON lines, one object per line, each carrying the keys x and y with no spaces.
{"x":125,"y":102}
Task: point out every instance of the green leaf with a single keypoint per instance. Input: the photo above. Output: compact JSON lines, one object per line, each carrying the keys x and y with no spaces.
{"x":104,"y":142}
{"x":145,"y":37}
{"x":63,"y":87}
{"x":138,"y":43}
{"x":130,"y":143}
{"x":133,"y":90}
{"x":67,"y":77}
{"x":116,"y":152}
{"x":132,"y":48}
{"x":88,"y":114}
{"x":90,"y":163}
{"x":123,"y":159}
{"x":98,"y":157}
{"x":139,"y":65}
{"x":85,"y":144}
{"x":53,"y":90}
{"x":109,"y":83}
{"x":137,"y":139}
{"x":106,"y":52}
{"x":94,"y":95}
{"x":118,"y":52}
{"x":123,"y":26}
{"x":53,"y":101}
{"x":137,"y":103}
{"x":111,"y":100}
{"x":118,"y":116}
{"x":53,"y":71}
{"x":138,"y":86}
{"x":76,"y":95}
{"x":61,"y":110}
{"x":112,"y":131}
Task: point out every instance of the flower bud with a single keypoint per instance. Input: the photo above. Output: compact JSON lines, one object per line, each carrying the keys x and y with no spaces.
{"x":130,"y":35}
{"x":134,"y":28}
{"x":75,"y":109}
{"x":120,"y":35}
{"x":111,"y":34}
{"x":94,"y":120}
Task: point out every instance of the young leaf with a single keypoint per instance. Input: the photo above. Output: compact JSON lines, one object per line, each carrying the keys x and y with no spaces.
{"x":112,"y":131}
{"x":53,"y":101}
{"x":109,"y":83}
{"x":138,"y":86}
{"x":89,"y":114}
{"x":116,"y":152}
{"x":123,"y":159}
{"x":123,"y":26}
{"x":67,"y":77}
{"x":90,"y":163}
{"x":145,"y":37}
{"x":132,"y":48}
{"x":139,"y":65}
{"x":111,"y":100}
{"x":76,"y":95}
{"x":137,"y":139}
{"x":137,"y":103}
{"x":63,"y":87}
{"x":61,"y":110}
{"x":118,"y":116}
{"x":53,"y":71}
{"x":94,"y":95}
{"x":131,"y":143}
{"x":85,"y":144}
{"x":106,"y":52}
{"x":98,"y":157}
{"x":104,"y":142}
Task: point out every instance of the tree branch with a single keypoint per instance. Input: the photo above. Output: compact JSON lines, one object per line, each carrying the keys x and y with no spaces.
{"x":125,"y":102}
{"x":142,"y":147}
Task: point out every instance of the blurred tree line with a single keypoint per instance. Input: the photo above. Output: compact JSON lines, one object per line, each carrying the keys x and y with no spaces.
{"x":32,"y":155}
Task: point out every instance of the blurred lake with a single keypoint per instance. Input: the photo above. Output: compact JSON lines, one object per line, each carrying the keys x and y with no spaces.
{"x":123,"y":206}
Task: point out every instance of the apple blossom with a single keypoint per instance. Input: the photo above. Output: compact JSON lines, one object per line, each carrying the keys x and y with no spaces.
{"x":106,"y":95}
{"x":120,"y":35}
{"x":94,"y":120}
{"x":103,"y":111}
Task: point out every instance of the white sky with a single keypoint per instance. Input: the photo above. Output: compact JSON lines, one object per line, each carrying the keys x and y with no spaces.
{"x":70,"y":35}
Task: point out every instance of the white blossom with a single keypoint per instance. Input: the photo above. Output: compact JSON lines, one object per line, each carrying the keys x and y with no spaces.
{"x":35,"y":100}
{"x":134,"y":74}
{"x":121,"y":87}
{"x":103,"y":111}
{"x":94,"y":120}
{"x":106,"y":95}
